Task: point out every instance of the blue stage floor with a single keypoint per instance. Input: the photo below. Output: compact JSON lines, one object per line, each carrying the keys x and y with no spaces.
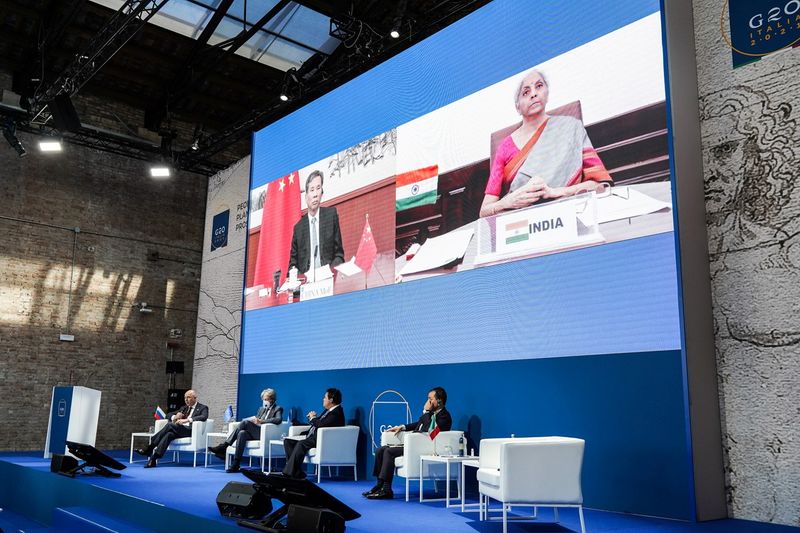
{"x":179,"y":497}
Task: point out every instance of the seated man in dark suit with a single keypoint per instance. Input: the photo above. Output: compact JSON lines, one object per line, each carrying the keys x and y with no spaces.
{"x":316,"y":239}
{"x":250,"y":429}
{"x":435,"y":418}
{"x":180,"y":426}
{"x":296,"y":450}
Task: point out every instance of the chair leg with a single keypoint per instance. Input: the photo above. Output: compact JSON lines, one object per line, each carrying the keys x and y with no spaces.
{"x":580,"y":515}
{"x":194,"y":464}
{"x":355,"y":473}
{"x":406,"y":489}
{"x":555,"y":513}
{"x":505,"y":517}
{"x":319,"y":474}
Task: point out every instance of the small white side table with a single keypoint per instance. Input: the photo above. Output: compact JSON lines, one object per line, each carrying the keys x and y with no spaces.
{"x":274,"y":442}
{"x":218,"y":435}
{"x":141,"y":434}
{"x":447,"y":460}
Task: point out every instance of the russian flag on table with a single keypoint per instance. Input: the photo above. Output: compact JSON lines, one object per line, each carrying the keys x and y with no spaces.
{"x":159,"y":414}
{"x":416,"y":188}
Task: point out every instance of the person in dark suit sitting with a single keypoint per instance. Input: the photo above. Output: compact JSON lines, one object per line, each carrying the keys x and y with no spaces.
{"x":316,"y":239}
{"x":180,"y":426}
{"x":435,"y":416}
{"x":296,"y":450}
{"x":250,"y":429}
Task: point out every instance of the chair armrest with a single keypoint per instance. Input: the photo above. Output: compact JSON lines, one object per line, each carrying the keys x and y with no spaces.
{"x":159,"y":425}
{"x":199,"y":430}
{"x":294,"y":431}
{"x":390,"y":437}
{"x":337,"y":445}
{"x":490,"y":453}
{"x":273,"y":431}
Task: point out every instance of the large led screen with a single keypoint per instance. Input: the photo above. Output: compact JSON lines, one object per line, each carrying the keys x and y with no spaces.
{"x":500,"y":191}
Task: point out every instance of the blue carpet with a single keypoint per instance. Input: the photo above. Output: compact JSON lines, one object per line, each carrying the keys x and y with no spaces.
{"x":184,"y":489}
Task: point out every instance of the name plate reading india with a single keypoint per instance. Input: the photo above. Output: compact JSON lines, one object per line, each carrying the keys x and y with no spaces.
{"x":545,"y":227}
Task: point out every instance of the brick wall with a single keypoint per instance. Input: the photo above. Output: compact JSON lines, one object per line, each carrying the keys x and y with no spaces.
{"x":139,"y":240}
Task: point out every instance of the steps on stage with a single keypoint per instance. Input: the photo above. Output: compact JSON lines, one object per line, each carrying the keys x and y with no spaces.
{"x":86,"y":519}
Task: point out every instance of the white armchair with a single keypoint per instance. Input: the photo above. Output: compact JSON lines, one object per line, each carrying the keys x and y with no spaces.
{"x":416,"y":445}
{"x":543,"y":471}
{"x":196,"y":443}
{"x":260,"y":447}
{"x":335,"y":447}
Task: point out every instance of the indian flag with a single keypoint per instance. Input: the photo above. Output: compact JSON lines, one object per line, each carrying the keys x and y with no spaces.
{"x":417,"y":187}
{"x":517,"y":231}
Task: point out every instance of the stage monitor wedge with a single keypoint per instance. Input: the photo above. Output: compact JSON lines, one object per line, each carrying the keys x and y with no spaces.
{"x":92,"y":457}
{"x":301,"y":499}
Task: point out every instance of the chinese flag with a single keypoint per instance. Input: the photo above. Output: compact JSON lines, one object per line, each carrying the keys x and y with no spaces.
{"x":367,"y":250}
{"x":281,"y":213}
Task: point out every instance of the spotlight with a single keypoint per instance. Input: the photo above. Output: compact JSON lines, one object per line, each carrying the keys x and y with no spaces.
{"x":395,"y":33}
{"x":50,"y":145}
{"x":195,"y":145}
{"x":284,"y":97}
{"x":10,"y":133}
{"x":160,"y":171}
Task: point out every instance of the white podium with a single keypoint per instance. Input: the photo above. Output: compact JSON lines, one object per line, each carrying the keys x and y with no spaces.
{"x":74,"y":412}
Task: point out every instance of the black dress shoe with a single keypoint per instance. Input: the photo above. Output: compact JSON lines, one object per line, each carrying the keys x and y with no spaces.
{"x":218,"y":449}
{"x":151,"y":463}
{"x":144,"y":451}
{"x":218,"y":454}
{"x":374,"y":489}
{"x":382,"y":494}
{"x":232,"y":469}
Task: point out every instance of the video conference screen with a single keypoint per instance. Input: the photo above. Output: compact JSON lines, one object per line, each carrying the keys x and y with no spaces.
{"x":499,"y":191}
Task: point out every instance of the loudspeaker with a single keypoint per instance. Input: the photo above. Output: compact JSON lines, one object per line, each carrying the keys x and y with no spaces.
{"x":65,"y":117}
{"x":242,"y":500}
{"x":313,"y":520}
{"x":63,"y":464}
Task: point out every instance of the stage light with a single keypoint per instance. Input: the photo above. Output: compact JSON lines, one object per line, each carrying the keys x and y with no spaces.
{"x":195,"y":145}
{"x":395,"y":33}
{"x":160,"y":171}
{"x":50,"y":145}
{"x":10,"y":133}
{"x":284,"y":97}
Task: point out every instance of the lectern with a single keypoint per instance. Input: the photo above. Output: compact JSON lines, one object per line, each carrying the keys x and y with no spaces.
{"x":74,"y":412}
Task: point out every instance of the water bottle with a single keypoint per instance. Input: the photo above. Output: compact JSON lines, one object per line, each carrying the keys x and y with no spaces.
{"x":461,"y":446}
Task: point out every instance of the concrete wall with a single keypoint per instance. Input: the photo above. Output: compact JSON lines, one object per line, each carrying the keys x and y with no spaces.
{"x":219,"y":317}
{"x":139,"y":240}
{"x":750,"y":122}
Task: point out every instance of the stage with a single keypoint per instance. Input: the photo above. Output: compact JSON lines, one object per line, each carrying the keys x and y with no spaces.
{"x":177,"y":497}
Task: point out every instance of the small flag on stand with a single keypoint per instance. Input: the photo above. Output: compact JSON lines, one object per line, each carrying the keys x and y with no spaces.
{"x":434,"y":432}
{"x":228,"y":415}
{"x":159,"y":414}
{"x":367,"y":250}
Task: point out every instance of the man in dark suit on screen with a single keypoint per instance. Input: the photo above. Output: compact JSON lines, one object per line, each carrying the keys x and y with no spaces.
{"x":179,"y":426}
{"x":316,"y":239}
{"x":296,"y":449}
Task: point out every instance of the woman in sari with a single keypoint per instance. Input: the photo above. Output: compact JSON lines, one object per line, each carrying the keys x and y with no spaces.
{"x":547,"y":157}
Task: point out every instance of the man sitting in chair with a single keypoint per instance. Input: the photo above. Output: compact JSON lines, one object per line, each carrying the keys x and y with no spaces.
{"x":296,"y":450}
{"x":435,"y":418}
{"x":180,"y":426}
{"x":250,"y":429}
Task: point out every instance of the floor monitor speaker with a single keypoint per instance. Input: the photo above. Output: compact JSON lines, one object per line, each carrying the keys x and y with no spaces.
{"x":313,"y":520}
{"x":242,"y":500}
